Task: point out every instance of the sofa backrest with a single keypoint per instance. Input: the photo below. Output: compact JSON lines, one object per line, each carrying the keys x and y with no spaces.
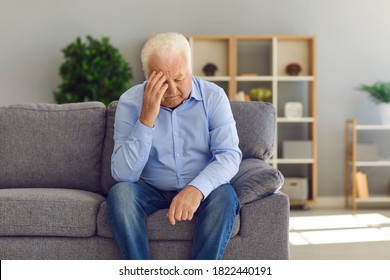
{"x":52,"y":146}
{"x":256,"y":127}
{"x":255,"y":123}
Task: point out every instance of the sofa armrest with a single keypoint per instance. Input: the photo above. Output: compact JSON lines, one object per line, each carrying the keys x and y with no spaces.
{"x":264,"y":226}
{"x":256,"y":179}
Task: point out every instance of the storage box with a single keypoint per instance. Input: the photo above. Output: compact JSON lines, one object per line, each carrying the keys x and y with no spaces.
{"x":296,"y":188}
{"x":297,"y":149}
{"x":366,"y":151}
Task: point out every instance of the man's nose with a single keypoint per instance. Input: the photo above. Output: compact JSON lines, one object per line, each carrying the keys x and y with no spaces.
{"x":171,"y":87}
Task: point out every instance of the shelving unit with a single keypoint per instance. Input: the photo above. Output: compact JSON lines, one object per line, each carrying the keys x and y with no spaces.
{"x":352,"y":164}
{"x":248,"y":61}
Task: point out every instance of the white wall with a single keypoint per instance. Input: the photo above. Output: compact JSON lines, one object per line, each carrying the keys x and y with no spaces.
{"x":353,"y":48}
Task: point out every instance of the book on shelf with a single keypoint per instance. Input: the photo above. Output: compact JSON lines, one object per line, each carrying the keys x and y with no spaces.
{"x":361,"y":185}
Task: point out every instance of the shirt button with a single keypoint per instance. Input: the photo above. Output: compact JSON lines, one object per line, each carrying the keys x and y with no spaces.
{"x":178,"y":155}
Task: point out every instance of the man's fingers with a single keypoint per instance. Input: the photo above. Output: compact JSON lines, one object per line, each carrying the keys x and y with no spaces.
{"x":190,"y":216}
{"x":184,"y":205}
{"x":155,"y":90}
{"x":156,"y":82}
{"x":175,"y":213}
{"x":171,"y":215}
{"x":184,"y":216}
{"x":160,"y":93}
{"x":178,"y":215}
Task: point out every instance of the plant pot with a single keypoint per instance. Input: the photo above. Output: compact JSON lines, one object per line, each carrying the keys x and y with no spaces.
{"x":384,"y":110}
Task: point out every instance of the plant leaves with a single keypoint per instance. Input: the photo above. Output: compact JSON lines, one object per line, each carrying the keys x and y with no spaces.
{"x":378,"y":92}
{"x":93,"y":70}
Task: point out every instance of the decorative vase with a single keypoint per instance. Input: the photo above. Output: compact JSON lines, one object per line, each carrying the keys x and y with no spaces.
{"x":293,"y":69}
{"x":209,"y":69}
{"x":293,"y":110}
{"x":384,"y":110}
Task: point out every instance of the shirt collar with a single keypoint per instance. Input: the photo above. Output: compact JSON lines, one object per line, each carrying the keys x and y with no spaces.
{"x":195,"y":93}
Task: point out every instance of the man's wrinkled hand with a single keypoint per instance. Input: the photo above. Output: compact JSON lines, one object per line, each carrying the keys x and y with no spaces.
{"x":154,"y":92}
{"x":184,"y":205}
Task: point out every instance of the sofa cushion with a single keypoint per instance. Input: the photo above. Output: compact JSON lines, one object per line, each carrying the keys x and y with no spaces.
{"x":256,"y":126}
{"x":158,"y":226}
{"x":52,"y":146}
{"x":256,"y":179}
{"x":48,"y":212}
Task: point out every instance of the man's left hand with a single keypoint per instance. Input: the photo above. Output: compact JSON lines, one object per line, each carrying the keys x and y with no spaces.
{"x":184,"y":205}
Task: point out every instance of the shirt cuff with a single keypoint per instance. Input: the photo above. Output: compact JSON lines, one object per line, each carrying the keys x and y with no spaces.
{"x":142,"y":132}
{"x":203,"y":186}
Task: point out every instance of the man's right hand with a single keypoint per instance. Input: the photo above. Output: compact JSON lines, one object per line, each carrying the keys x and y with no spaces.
{"x":154,"y":92}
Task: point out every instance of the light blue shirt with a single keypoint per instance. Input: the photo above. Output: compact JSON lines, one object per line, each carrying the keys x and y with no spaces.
{"x":194,"y":144}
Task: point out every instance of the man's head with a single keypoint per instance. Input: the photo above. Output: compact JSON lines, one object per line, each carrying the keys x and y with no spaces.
{"x":170,"y":53}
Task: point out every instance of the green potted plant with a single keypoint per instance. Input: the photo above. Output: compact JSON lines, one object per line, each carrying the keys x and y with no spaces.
{"x":379,"y":93}
{"x":92,"y":71}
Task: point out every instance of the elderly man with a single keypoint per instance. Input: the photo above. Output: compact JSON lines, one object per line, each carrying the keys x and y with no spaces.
{"x":176,"y":147}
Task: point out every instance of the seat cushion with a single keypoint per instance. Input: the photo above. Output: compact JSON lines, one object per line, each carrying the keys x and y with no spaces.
{"x":158,"y":226}
{"x":48,"y":212}
{"x":52,"y":146}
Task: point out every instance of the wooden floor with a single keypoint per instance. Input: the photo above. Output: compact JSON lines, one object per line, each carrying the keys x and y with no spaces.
{"x":323,"y":234}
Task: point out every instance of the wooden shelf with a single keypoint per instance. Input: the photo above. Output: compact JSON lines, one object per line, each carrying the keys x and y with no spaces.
{"x":245,"y":62}
{"x":352,"y":164}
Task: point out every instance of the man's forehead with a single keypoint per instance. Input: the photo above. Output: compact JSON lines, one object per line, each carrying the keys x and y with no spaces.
{"x":173,"y":67}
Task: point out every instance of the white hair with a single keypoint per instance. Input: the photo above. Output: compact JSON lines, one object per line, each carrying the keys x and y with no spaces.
{"x":165,"y":45}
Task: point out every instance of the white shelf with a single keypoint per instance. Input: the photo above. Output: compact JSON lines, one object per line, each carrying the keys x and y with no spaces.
{"x":295,"y":160}
{"x":295,"y":120}
{"x":249,"y":78}
{"x":254,"y":78}
{"x":374,"y":199}
{"x":373,"y":163}
{"x":372,"y":127}
{"x":215,"y":78}
{"x":295,"y":78}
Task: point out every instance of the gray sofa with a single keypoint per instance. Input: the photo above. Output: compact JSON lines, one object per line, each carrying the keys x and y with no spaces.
{"x":55,"y":174}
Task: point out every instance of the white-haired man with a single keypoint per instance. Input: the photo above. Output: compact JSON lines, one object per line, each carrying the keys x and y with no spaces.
{"x":176,"y":147}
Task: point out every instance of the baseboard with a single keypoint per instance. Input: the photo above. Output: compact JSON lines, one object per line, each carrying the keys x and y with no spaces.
{"x":329,"y":202}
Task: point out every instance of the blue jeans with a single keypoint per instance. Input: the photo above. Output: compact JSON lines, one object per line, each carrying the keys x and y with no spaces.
{"x":130,"y":203}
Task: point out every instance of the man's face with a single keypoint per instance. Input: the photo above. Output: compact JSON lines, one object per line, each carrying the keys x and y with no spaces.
{"x":178,"y":78}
